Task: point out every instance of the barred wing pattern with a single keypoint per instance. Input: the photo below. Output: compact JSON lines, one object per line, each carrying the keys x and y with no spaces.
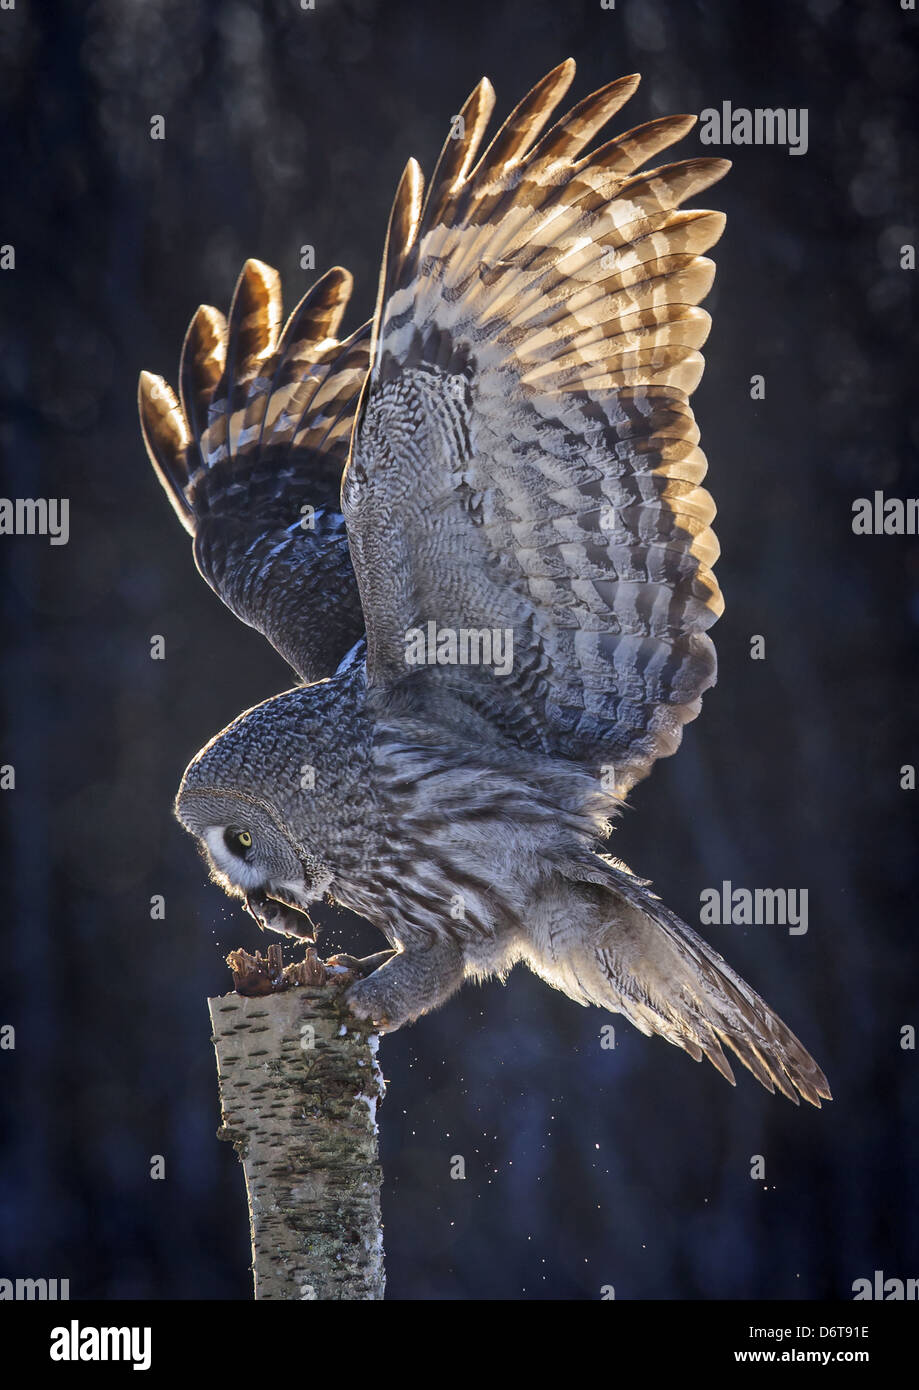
{"x":525,"y":456}
{"x":261,"y":437}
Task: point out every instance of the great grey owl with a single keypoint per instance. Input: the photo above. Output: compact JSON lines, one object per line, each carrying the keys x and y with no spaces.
{"x":476,"y":530}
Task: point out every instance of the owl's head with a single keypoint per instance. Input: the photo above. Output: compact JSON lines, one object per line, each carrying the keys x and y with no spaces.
{"x":253,"y":856}
{"x":261,"y":799}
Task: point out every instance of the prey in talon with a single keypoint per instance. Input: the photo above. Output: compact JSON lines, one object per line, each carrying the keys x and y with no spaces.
{"x":275,"y":914}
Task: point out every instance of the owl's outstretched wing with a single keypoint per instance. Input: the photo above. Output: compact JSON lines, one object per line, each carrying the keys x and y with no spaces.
{"x":252,"y":454}
{"x":525,"y":457}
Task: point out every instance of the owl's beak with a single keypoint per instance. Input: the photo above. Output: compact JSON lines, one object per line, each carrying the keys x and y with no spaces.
{"x":277,"y":915}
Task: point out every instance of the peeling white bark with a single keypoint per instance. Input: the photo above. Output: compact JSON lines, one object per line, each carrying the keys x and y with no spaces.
{"x":299,"y":1083}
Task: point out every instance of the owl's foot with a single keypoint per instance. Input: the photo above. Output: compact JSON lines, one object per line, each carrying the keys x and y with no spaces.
{"x":409,"y":984}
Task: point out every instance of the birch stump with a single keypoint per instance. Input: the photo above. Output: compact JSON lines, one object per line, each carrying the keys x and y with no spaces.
{"x":299,"y":1085}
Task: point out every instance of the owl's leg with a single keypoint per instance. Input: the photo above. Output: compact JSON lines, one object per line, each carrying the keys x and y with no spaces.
{"x":361,"y":965}
{"x":411,"y":982}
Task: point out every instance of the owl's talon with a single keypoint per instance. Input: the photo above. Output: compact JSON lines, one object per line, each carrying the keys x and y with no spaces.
{"x":360,"y":965}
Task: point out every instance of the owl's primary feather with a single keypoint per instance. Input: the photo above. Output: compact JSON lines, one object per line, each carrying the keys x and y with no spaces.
{"x":262,"y":433}
{"x":524,"y":474}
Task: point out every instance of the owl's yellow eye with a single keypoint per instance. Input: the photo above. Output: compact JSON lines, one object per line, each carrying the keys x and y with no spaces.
{"x":238,"y":841}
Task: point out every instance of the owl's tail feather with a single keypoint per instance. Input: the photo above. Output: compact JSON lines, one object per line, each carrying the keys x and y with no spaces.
{"x":650,"y":966}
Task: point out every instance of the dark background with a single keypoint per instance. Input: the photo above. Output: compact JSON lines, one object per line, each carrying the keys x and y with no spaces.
{"x":584,"y":1167}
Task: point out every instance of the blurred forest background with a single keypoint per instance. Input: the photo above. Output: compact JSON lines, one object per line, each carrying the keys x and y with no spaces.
{"x":585,"y":1167}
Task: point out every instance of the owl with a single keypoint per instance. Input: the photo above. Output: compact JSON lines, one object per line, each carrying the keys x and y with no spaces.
{"x":477,"y":531}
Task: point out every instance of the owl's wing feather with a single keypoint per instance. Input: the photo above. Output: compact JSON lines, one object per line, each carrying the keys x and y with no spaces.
{"x":260,"y":433}
{"x":525,"y":456}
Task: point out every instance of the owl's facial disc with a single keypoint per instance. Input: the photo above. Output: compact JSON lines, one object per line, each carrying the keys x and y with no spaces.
{"x":276,"y":885}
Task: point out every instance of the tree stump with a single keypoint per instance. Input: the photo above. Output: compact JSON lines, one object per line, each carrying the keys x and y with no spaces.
{"x":299,"y":1085}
